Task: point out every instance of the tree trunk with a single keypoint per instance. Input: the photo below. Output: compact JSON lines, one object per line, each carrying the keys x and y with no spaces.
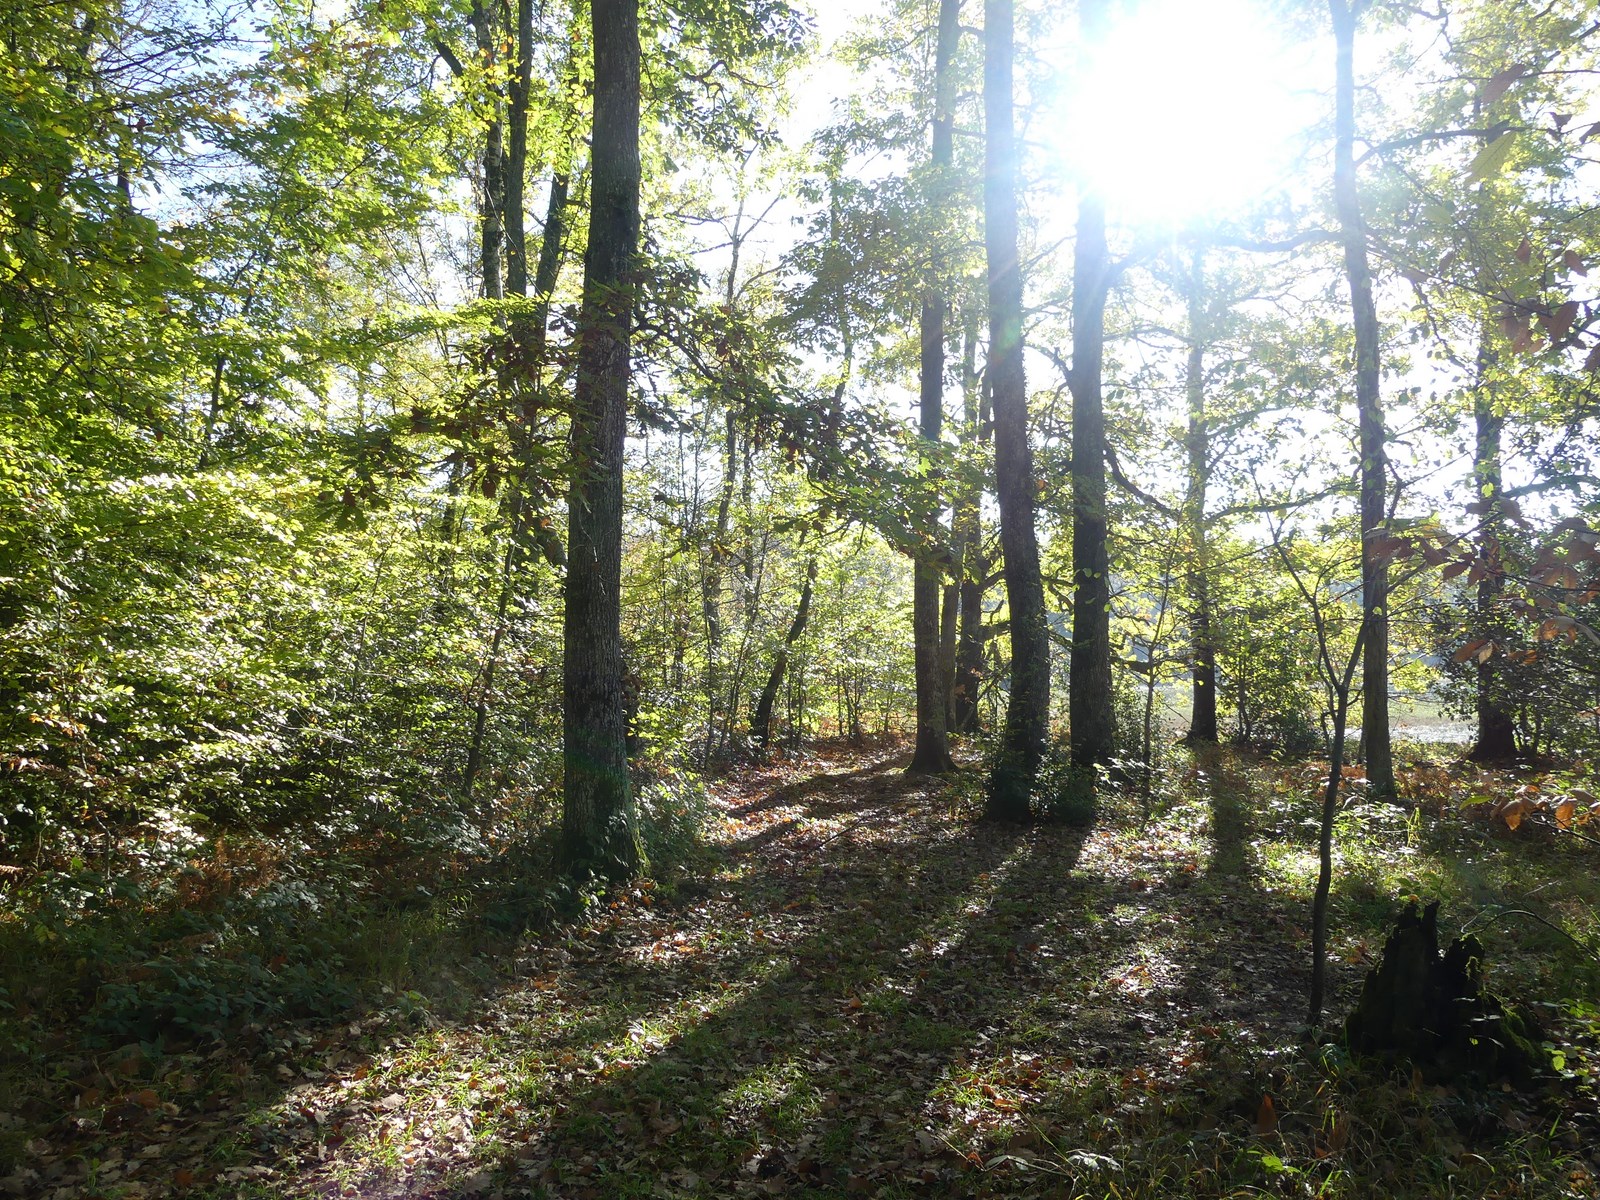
{"x":1374,"y":565}
{"x":492,"y":226}
{"x":1093,"y":722}
{"x":516,"y":166}
{"x":761,"y":722}
{"x":1203,"y":665}
{"x":932,"y":752}
{"x":599,"y":826}
{"x":949,"y":630}
{"x":1022,"y":742}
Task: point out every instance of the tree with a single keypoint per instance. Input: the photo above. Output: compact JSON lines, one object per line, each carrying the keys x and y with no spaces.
{"x":1197,"y":453}
{"x":1022,"y":742}
{"x":932,"y":752}
{"x":599,"y":831}
{"x":1091,"y":713}
{"x":1368,"y":378}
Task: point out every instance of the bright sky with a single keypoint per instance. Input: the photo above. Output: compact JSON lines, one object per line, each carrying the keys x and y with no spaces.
{"x":1188,"y":109}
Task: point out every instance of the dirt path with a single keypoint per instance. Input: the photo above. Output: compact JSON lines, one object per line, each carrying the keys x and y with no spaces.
{"x":869,"y":994}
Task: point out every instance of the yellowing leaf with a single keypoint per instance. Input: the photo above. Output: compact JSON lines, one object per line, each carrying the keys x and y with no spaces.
{"x":1489,"y":161}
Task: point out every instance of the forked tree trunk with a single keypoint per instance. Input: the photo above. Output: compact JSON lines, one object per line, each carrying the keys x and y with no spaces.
{"x":761,"y":722}
{"x":1358,"y":269}
{"x":1022,"y":742}
{"x":599,"y":827}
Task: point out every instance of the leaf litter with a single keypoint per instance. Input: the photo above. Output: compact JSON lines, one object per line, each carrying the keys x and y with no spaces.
{"x":859,"y":990}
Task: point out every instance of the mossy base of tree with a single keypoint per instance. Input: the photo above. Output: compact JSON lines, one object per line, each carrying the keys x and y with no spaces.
{"x":1432,"y":1010}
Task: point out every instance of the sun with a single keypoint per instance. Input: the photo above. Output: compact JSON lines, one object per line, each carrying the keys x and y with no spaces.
{"x":1189,"y":109}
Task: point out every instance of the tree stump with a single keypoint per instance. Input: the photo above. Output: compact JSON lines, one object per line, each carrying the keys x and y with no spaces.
{"x":1433,"y":1010}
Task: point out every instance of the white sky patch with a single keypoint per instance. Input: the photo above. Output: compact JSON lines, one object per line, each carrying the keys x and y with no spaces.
{"x":1189,"y":110}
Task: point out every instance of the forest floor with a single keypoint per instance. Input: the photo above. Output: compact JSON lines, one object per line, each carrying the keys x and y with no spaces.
{"x":856,"y":989}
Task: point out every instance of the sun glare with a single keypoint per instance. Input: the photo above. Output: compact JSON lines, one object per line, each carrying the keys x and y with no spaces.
{"x":1188,"y":109}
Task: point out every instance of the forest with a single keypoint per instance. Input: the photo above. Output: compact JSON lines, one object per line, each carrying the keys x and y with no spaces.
{"x":731,"y":598}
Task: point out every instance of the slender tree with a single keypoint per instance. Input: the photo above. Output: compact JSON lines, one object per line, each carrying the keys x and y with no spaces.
{"x":932,"y":753}
{"x":971,"y":635}
{"x":1022,"y":742}
{"x":761,"y":721}
{"x":598,"y":817}
{"x":1197,"y":451}
{"x":1374,"y":459}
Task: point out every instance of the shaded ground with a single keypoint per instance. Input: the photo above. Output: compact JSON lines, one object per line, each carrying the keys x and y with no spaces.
{"x":863,"y":992}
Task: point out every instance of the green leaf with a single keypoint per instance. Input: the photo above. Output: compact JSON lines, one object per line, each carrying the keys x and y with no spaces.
{"x":1489,"y":161}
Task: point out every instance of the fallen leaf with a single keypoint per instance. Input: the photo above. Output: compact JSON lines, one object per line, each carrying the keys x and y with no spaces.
{"x":1266,"y":1117}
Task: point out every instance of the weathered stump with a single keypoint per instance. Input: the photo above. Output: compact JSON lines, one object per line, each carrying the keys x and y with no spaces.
{"x":1433,"y":1010}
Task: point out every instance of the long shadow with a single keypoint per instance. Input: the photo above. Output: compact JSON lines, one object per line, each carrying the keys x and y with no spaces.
{"x":830,"y":792}
{"x":822,"y":1050}
{"x":292,"y":1019}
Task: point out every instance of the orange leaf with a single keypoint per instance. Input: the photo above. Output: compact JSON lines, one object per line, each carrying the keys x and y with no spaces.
{"x":1266,"y":1117}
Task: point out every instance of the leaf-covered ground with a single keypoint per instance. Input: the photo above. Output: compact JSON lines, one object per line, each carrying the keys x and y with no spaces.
{"x":859,"y":990}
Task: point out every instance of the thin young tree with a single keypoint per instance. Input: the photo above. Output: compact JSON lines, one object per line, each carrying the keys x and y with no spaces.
{"x":1368,"y":373}
{"x":1197,"y":452}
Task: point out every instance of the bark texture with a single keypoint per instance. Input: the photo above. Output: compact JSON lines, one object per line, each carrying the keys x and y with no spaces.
{"x":599,"y":832}
{"x":1022,"y":741}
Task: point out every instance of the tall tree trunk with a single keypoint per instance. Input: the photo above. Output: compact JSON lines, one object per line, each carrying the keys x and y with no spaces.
{"x":599,"y":825}
{"x":516,"y":165}
{"x":491,"y":251}
{"x":1022,"y":742}
{"x":1197,"y":444}
{"x":1089,"y":684}
{"x":1374,"y":565}
{"x":1497,"y":730}
{"x":761,"y":722}
{"x":932,"y":753}
{"x":1091,"y":713}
